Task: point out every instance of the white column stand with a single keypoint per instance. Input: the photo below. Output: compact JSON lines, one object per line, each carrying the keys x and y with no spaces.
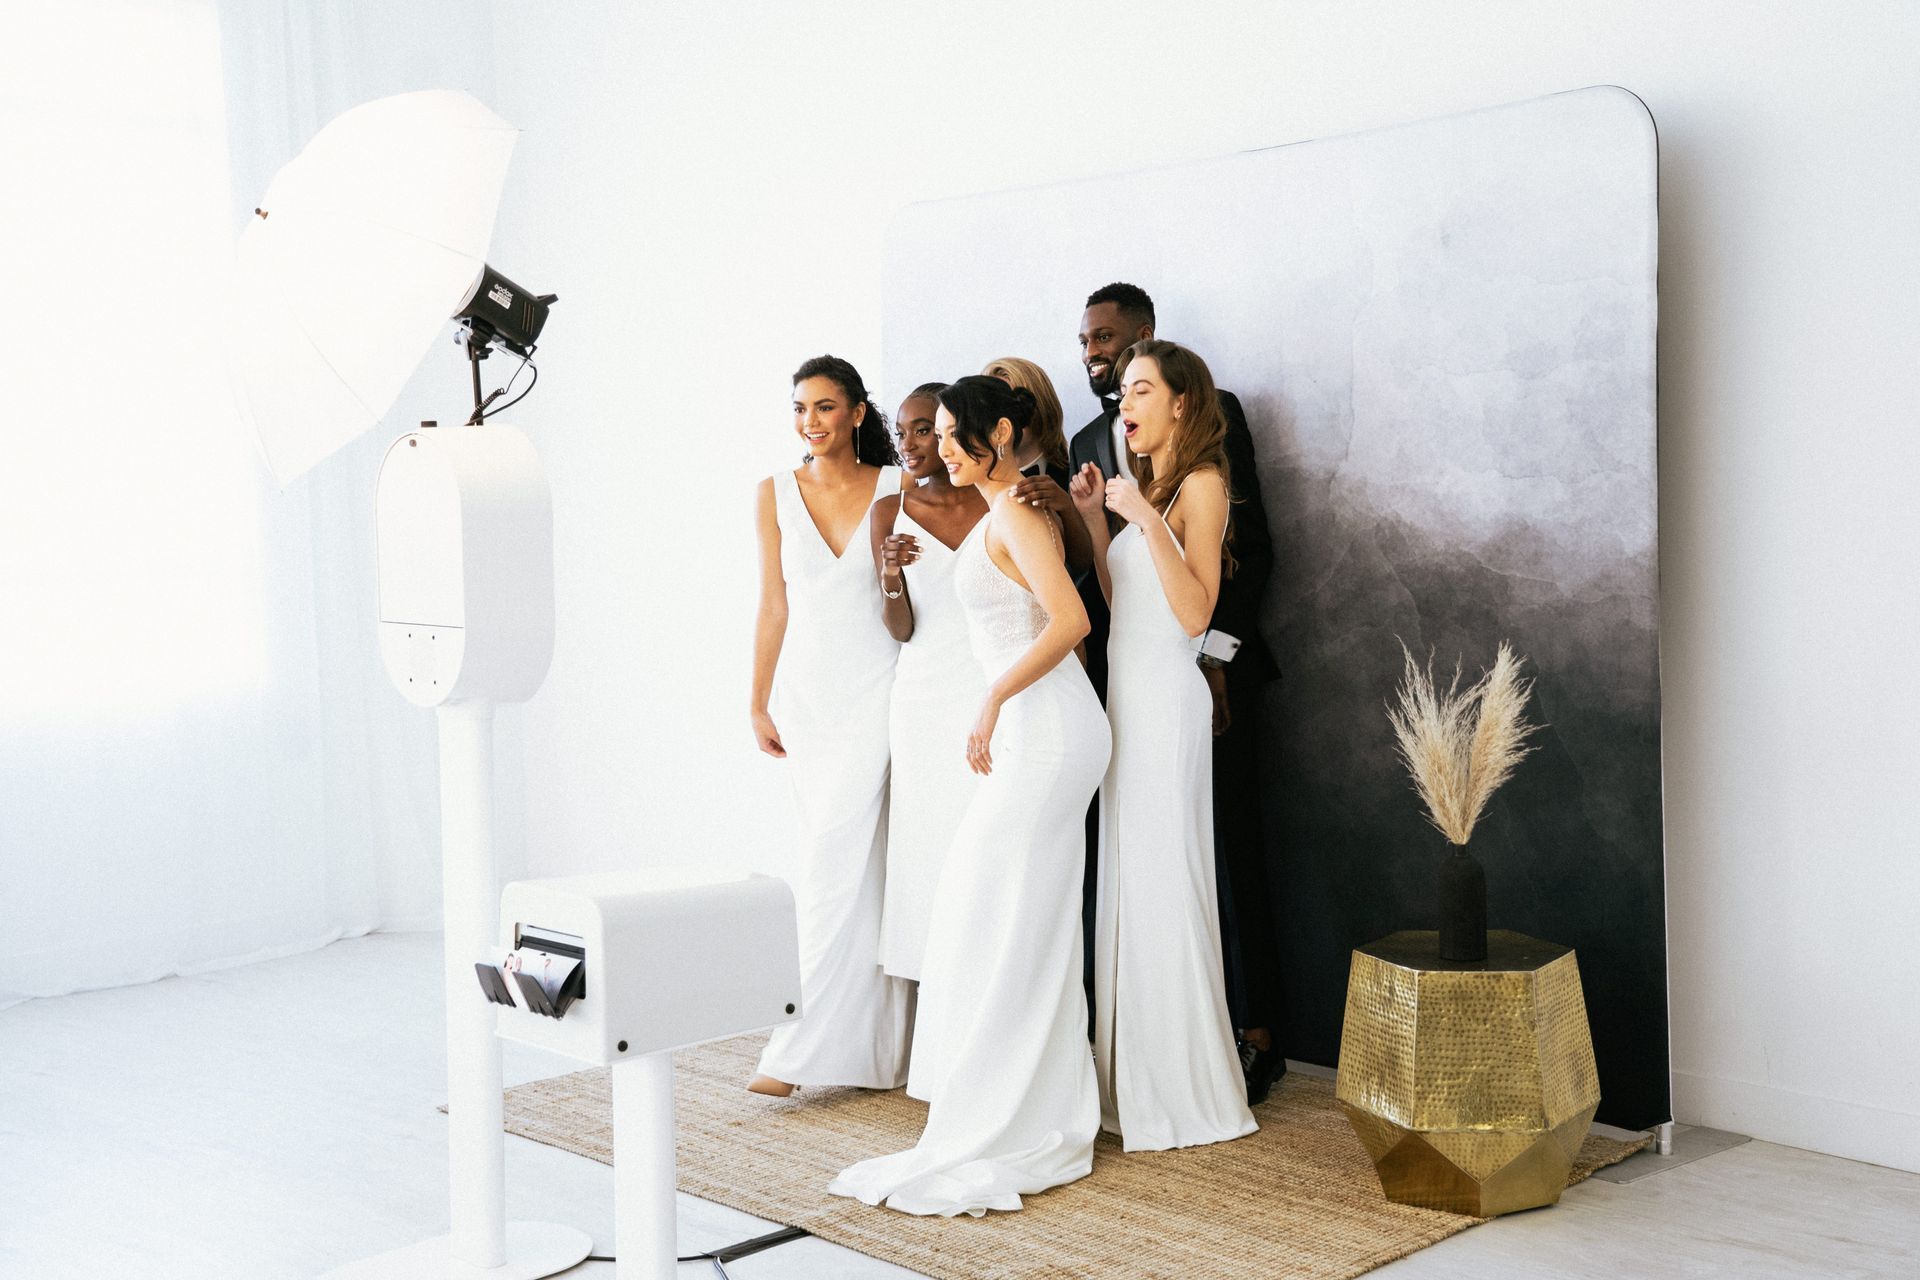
{"x":476,"y":1143}
{"x":644,"y":1233}
{"x":482,"y":1244}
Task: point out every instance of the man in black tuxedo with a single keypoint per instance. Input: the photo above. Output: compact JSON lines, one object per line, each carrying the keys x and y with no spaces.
{"x":1237,"y":665}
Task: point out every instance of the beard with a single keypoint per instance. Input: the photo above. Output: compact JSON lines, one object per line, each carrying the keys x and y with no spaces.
{"x":1104,"y":386}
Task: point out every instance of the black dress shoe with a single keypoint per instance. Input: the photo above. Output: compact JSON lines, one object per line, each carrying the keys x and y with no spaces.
{"x":1261,"y":1067}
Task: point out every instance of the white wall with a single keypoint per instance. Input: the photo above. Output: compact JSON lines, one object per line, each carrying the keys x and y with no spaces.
{"x":707,"y":187}
{"x":201,"y":763}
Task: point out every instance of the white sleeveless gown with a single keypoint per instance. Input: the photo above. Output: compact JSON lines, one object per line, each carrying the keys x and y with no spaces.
{"x":1002,"y":1011}
{"x":830,"y":702}
{"x":937,"y":688}
{"x":1163,"y":1039}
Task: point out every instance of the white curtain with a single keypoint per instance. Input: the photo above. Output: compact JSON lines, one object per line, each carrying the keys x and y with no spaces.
{"x":201,"y":762}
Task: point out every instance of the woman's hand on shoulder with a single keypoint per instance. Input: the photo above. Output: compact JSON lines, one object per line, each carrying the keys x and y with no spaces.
{"x":1012,"y":514}
{"x":1042,"y":491}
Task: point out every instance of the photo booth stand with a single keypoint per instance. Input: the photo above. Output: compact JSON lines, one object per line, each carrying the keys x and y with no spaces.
{"x":641,"y":969}
{"x":640,"y":966}
{"x":394,"y":200}
{"x":464,"y":527}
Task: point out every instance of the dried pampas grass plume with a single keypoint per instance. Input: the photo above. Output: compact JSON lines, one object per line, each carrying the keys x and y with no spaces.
{"x":1434,"y":730}
{"x":1460,"y":745}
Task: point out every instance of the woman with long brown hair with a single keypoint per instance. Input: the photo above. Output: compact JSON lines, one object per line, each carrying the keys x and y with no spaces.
{"x":1163,"y":1039}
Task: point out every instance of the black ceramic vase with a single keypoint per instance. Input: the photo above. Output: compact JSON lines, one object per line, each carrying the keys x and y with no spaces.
{"x":1463,"y":907}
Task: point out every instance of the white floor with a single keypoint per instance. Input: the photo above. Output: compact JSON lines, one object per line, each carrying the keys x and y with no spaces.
{"x":278,"y":1120}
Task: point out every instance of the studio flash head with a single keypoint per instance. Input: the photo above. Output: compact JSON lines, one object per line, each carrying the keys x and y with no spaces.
{"x":498,"y":310}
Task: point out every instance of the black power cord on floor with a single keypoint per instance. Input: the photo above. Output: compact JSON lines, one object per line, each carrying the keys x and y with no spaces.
{"x":729,"y":1253}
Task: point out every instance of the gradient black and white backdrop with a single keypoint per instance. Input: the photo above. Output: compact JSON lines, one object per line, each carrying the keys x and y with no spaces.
{"x":1443,"y":335}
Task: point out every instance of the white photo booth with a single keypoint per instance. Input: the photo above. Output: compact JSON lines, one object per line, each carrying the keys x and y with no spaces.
{"x":367,"y":244}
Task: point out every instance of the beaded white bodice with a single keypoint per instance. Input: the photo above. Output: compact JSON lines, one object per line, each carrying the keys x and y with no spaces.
{"x":1003,"y":618}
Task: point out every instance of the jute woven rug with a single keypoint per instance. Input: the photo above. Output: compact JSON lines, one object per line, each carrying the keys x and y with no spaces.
{"x":1297,"y":1199}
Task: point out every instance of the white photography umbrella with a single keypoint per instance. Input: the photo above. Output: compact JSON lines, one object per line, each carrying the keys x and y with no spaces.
{"x":363,"y":247}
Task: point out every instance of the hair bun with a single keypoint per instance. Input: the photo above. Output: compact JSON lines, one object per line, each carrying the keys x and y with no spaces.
{"x":1024,"y":403}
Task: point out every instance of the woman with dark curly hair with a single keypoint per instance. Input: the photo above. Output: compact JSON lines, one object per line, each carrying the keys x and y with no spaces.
{"x":820,"y":630}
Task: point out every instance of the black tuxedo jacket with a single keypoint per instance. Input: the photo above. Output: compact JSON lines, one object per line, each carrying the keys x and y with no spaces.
{"x":1237,"y":611}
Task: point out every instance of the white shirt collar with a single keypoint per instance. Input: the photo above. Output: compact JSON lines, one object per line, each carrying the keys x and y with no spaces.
{"x":1123,"y":460}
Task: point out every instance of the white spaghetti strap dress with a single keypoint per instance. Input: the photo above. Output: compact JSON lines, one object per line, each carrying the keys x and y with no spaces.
{"x":830,"y":702}
{"x":1163,"y":1039}
{"x":937,"y":690}
{"x":1014,"y":1105}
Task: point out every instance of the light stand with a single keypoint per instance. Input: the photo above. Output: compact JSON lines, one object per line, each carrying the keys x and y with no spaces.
{"x":479,"y":345}
{"x":476,"y":352}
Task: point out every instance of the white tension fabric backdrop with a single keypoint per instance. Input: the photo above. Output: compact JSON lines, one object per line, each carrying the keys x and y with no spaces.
{"x":1443,"y":336}
{"x":707,"y":186}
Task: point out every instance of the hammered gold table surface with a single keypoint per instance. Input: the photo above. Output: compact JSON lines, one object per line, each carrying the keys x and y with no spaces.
{"x":1471,"y":1084}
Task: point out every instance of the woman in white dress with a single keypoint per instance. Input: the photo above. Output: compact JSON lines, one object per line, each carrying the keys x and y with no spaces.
{"x":820,"y":629}
{"x":1014,"y":1105}
{"x":937,"y":685}
{"x":1163,"y":1039}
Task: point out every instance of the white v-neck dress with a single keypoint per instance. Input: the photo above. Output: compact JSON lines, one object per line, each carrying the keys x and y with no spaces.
{"x":1002,"y":1047}
{"x":830,"y":702}
{"x":937,"y":692}
{"x":1163,"y":1039}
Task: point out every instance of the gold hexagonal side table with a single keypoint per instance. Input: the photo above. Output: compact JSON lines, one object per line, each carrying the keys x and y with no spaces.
{"x":1471,"y":1085}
